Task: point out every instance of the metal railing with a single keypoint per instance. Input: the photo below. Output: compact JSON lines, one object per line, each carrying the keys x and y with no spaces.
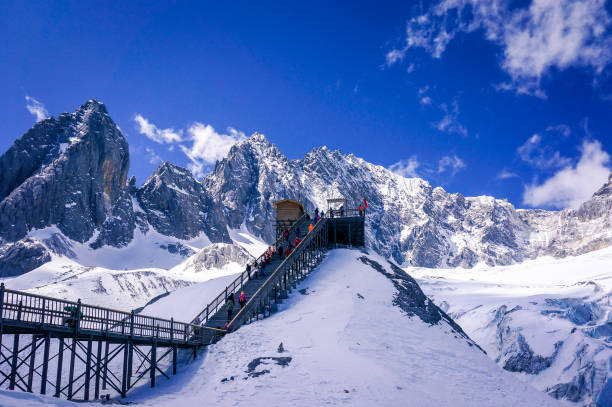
{"x":41,"y":312}
{"x":344,"y":213}
{"x":314,"y":239}
{"x":219,"y":301}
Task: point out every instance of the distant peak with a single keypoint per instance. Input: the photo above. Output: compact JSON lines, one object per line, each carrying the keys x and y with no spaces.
{"x":606,"y":189}
{"x":167,"y":166}
{"x":93,"y":105}
{"x":258,"y":138}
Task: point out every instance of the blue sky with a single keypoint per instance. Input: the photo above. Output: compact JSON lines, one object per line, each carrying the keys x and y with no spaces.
{"x":513,"y":101}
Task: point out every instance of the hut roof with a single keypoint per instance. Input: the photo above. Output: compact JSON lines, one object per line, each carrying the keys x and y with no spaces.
{"x":289,"y":201}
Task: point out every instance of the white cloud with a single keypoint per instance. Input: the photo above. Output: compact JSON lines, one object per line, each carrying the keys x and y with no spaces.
{"x":545,"y":35}
{"x":449,"y":122}
{"x":36,"y":108}
{"x":406,"y":168}
{"x":505,"y":174}
{"x":156,"y":134}
{"x":571,"y":186}
{"x":208,"y":146}
{"x":394,"y":56}
{"x":562,"y":129}
{"x":425,"y":100}
{"x":154,"y":158}
{"x":537,"y":156}
{"x":450,"y":163}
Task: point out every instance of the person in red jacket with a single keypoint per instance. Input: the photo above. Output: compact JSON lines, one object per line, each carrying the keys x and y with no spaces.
{"x":297,"y":241}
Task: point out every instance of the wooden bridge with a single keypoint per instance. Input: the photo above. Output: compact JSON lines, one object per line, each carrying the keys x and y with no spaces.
{"x":110,"y":349}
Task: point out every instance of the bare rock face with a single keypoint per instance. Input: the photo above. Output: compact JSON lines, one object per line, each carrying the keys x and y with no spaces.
{"x":217,"y":256}
{"x":22,"y":256}
{"x":177,"y":205}
{"x":68,"y":172}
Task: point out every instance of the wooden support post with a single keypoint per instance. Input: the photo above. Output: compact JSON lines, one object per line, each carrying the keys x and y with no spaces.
{"x":77,"y":326}
{"x":13,"y":374}
{"x":105,"y":370}
{"x":32,"y":362}
{"x":42,"y":314}
{"x":45,"y":366}
{"x":132,"y":324}
{"x":153,"y":363}
{"x":88,"y":369}
{"x":124,"y":378}
{"x":130,"y":363}
{"x":1,"y":312}
{"x":98,"y":370}
{"x":14,"y":362}
{"x":71,"y":374}
{"x":60,"y":360}
{"x":174,"y":359}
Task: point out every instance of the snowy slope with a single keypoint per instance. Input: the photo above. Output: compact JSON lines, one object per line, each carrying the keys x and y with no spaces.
{"x":547,"y":319}
{"x":345,"y":343}
{"x":129,"y":289}
{"x":347,"y":339}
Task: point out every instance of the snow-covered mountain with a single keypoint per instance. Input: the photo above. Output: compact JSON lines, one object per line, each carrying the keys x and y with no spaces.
{"x":548,"y":320}
{"x":408,"y":220}
{"x":69,"y":173}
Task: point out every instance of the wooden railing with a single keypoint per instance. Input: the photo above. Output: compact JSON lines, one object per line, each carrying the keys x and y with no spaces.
{"x":314,"y":240}
{"x":344,"y":213}
{"x":40,"y":312}
{"x":235,"y":285}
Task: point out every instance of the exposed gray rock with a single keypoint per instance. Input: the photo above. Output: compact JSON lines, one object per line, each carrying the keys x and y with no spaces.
{"x":22,"y":256}
{"x":522,"y":358}
{"x":178,"y":248}
{"x":217,"y":256}
{"x":67,"y":172}
{"x":411,"y":299}
{"x":58,"y":244}
{"x":588,"y":383}
{"x":177,"y":205}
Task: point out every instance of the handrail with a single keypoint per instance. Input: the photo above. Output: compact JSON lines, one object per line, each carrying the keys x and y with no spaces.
{"x":345,"y":213}
{"x":38,"y":310}
{"x":288,"y":261}
{"x":219,"y":300}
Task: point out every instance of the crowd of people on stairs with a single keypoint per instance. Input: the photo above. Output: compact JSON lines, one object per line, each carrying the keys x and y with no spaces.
{"x":282,"y":251}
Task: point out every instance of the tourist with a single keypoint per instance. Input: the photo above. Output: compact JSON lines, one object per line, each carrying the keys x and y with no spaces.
{"x":242,"y":299}
{"x":229,"y":304}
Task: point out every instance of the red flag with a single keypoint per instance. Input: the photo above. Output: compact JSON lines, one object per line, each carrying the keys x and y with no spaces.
{"x":365,"y":202}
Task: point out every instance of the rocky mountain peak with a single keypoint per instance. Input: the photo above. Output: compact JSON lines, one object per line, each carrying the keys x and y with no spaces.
{"x":167,"y":170}
{"x":606,"y":189}
{"x":86,"y":148}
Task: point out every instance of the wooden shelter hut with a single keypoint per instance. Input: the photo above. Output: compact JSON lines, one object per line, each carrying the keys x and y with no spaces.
{"x":288,"y":212}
